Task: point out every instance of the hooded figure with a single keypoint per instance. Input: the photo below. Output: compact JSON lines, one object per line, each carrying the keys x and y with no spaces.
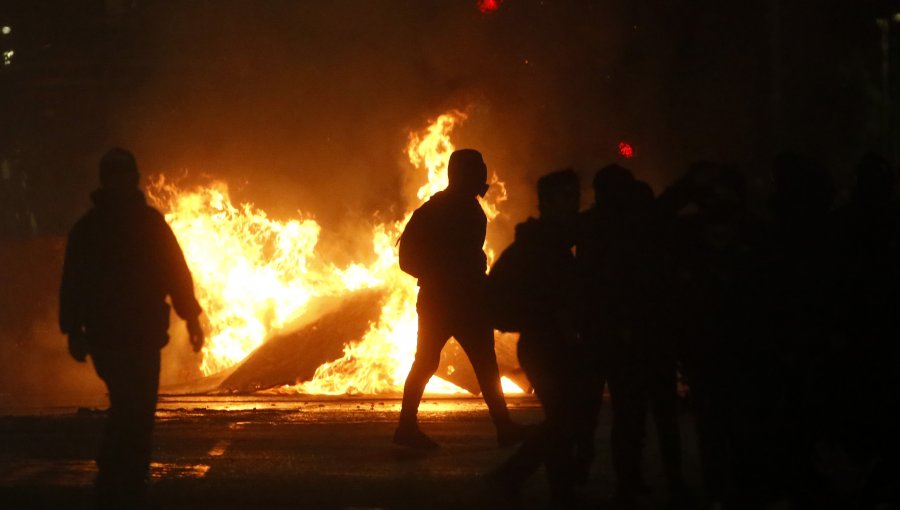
{"x":122,"y":262}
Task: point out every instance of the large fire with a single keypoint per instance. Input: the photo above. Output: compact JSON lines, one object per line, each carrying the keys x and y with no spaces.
{"x":255,"y":276}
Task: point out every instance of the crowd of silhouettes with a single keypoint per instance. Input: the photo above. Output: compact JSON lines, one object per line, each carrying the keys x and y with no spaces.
{"x":783,"y":328}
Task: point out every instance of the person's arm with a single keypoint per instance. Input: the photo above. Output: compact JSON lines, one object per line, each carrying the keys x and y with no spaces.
{"x":562,"y":293}
{"x":476,"y":231}
{"x":181,"y":288}
{"x":71,"y":296}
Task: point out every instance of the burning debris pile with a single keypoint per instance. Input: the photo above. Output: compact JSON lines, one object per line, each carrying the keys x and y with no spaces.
{"x":259,"y":279}
{"x":287,"y":358}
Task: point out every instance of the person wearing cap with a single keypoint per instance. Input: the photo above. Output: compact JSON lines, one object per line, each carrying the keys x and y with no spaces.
{"x":442,"y":247}
{"x":122,"y":261}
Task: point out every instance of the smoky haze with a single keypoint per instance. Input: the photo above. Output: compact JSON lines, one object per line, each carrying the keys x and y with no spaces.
{"x":308,"y":106}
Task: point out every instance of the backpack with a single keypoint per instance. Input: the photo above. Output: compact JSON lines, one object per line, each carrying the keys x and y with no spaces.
{"x":416,"y":242}
{"x":507,"y":290}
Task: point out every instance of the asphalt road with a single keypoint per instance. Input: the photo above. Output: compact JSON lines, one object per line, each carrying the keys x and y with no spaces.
{"x":277,"y":452}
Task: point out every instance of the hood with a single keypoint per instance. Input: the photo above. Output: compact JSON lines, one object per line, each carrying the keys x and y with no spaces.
{"x":106,"y":198}
{"x":529,"y":230}
{"x":534,"y":231}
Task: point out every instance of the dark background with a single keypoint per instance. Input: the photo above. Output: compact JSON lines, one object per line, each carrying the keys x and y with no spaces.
{"x":303,"y":105}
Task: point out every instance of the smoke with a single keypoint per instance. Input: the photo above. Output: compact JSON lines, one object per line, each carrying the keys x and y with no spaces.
{"x":307,"y":106}
{"x":36,"y":371}
{"x":35,"y":368}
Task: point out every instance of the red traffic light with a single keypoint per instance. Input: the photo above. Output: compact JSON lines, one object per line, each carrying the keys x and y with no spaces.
{"x":486,"y":6}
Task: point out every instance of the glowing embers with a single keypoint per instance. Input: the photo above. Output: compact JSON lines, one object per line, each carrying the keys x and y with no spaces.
{"x":168,"y":470}
{"x":219,"y":448}
{"x":625,"y":150}
{"x":486,"y":6}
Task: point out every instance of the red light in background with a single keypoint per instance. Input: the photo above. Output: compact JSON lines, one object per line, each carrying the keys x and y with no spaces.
{"x":625,"y":150}
{"x":486,"y":6}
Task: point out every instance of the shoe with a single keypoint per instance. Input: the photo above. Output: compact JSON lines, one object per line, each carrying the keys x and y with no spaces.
{"x":513,"y":433}
{"x":413,"y":437}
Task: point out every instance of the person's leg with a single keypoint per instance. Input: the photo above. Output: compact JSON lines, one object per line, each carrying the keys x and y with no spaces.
{"x":629,"y":405}
{"x":664,"y":405}
{"x":478,"y":343}
{"x":108,"y":461}
{"x":132,"y":380}
{"x":586,"y":399}
{"x":139,"y":409}
{"x":431,"y":339}
{"x":563,"y":416}
{"x":592,"y":376}
{"x":428,"y":358}
{"x":712,"y":442}
{"x":553,"y":443}
{"x":533,"y":452}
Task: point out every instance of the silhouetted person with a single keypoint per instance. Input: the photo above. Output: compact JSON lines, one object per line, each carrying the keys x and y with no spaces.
{"x":861,"y":365}
{"x":604,"y":234}
{"x":442,"y":247}
{"x":122,"y":261}
{"x":713,"y":302}
{"x":535,"y":283}
{"x":801,"y":284}
{"x":619,"y":258}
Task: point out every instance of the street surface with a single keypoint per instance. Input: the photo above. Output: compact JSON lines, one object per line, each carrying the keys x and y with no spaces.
{"x":265,"y":452}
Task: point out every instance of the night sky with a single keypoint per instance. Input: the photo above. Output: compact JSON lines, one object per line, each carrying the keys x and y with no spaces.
{"x":290,"y":102}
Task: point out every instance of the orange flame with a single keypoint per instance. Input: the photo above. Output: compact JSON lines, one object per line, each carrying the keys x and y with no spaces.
{"x":255,"y":276}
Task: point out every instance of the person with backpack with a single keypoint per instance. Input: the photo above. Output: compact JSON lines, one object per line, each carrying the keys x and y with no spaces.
{"x":442,"y":247}
{"x":534,"y":290}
